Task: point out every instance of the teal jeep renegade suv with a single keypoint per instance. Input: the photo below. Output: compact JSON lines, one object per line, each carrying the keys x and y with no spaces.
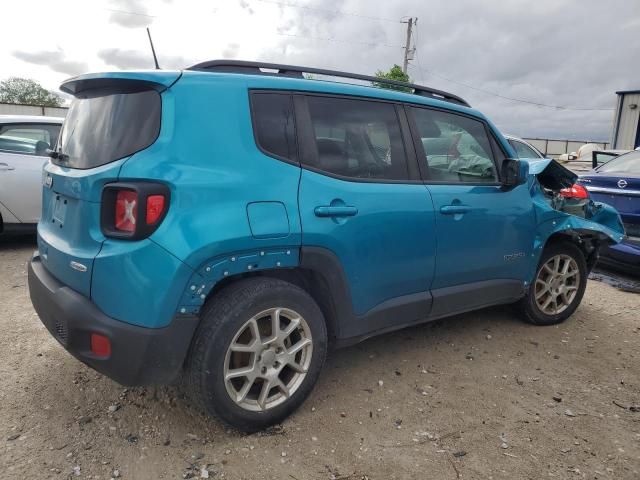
{"x":223,"y":225}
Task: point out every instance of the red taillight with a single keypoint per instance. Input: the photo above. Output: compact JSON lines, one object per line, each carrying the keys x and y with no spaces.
{"x":574,"y":191}
{"x":133,"y":210}
{"x":155,"y":208}
{"x":100,"y":345}
{"x":126,"y":210}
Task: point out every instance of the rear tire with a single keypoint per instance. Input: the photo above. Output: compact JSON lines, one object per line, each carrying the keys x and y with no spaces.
{"x":558,"y":286}
{"x":257,"y":353}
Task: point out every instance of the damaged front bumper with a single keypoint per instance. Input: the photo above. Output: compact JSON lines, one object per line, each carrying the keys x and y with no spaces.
{"x":588,"y":223}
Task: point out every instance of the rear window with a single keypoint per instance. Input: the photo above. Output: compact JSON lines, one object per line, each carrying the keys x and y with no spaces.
{"x":105,"y":125}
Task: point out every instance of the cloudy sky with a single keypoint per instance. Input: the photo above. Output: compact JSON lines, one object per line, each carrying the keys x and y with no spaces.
{"x":572,"y":54}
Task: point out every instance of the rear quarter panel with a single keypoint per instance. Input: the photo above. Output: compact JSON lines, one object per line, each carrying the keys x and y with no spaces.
{"x":207,"y":155}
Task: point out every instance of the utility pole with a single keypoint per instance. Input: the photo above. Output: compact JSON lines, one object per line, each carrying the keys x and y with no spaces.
{"x":408,"y":51}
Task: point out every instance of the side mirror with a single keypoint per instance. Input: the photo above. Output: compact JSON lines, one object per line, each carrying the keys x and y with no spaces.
{"x":513,"y":172}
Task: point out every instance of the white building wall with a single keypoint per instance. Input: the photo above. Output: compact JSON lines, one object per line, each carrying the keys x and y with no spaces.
{"x":15,"y":109}
{"x":627,"y":126}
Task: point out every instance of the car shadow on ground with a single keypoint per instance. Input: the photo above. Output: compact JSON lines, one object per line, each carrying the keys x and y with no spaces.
{"x":11,"y":242}
{"x":622,"y":280}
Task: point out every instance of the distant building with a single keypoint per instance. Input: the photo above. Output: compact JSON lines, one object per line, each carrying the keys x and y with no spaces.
{"x":626,"y":121}
{"x":17,"y":109}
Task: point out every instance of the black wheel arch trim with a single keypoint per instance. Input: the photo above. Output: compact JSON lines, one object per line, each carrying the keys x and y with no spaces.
{"x":327,"y":264}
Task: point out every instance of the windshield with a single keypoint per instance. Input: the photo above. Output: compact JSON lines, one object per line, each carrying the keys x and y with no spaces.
{"x":523,"y":150}
{"x":105,"y":125}
{"x":627,"y":163}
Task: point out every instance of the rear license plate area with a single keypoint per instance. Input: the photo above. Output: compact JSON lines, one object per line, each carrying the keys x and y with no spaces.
{"x":59,"y":209}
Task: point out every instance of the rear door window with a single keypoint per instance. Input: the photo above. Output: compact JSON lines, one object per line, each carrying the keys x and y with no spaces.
{"x":457,"y":148}
{"x":28,"y":138}
{"x":359,"y":139}
{"x":105,"y":125}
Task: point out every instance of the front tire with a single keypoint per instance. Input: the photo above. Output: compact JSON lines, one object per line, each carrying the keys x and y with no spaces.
{"x":558,"y":286}
{"x":257,"y":353}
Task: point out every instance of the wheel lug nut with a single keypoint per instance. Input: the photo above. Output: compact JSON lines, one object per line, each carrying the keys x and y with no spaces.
{"x":264,"y":370}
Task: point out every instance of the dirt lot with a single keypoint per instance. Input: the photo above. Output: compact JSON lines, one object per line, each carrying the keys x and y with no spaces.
{"x":476,"y":396}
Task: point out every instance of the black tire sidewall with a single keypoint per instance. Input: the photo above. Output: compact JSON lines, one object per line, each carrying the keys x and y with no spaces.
{"x":255,"y":298}
{"x":532,"y":311}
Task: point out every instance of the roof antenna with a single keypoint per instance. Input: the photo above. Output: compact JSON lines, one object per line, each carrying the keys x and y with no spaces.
{"x":153,"y":50}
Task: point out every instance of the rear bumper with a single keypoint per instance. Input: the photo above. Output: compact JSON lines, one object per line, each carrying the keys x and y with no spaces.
{"x":139,"y":356}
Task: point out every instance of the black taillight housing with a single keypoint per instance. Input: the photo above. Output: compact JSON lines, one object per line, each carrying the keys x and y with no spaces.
{"x":133,"y":210}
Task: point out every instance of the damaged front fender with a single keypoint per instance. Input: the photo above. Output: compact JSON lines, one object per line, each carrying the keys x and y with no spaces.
{"x":587,"y":222}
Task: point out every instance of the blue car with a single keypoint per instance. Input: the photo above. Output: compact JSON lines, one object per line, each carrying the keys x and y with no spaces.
{"x":223,"y":225}
{"x":617,"y":183}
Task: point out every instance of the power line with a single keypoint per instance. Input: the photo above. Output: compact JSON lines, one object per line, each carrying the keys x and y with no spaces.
{"x":335,"y":40}
{"x":369,"y":44}
{"x":521,"y":100}
{"x":326,"y":10}
{"x":126,"y":12}
{"x":513,"y":99}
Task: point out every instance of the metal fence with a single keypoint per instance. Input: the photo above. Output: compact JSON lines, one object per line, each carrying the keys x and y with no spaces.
{"x":554,"y":148}
{"x":37,"y":110}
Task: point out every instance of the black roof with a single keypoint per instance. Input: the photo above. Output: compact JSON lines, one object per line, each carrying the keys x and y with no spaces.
{"x":260,"y":68}
{"x":625,"y":92}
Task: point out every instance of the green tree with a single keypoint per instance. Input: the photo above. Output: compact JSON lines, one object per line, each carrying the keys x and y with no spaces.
{"x":395,"y":73}
{"x":27,"y":92}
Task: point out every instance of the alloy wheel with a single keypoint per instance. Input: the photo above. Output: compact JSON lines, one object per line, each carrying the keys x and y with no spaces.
{"x":557,"y":284}
{"x":268,"y":359}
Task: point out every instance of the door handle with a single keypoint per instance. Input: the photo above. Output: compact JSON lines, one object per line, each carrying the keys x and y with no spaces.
{"x":342,"y":211}
{"x":454,"y":209}
{"x":4,"y":166}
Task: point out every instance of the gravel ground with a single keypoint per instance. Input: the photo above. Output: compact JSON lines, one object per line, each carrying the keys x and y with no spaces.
{"x":480,"y":395}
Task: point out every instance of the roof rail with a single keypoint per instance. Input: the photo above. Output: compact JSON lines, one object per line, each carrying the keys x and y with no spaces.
{"x":261,"y":68}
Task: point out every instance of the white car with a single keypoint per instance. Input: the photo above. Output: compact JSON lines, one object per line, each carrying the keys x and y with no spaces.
{"x":24,"y":141}
{"x":523,"y":149}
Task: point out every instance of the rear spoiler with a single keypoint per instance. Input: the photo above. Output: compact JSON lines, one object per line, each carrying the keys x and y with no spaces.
{"x":154,"y":79}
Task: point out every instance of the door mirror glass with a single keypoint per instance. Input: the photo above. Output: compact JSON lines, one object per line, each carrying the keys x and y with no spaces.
{"x":513,"y":172}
